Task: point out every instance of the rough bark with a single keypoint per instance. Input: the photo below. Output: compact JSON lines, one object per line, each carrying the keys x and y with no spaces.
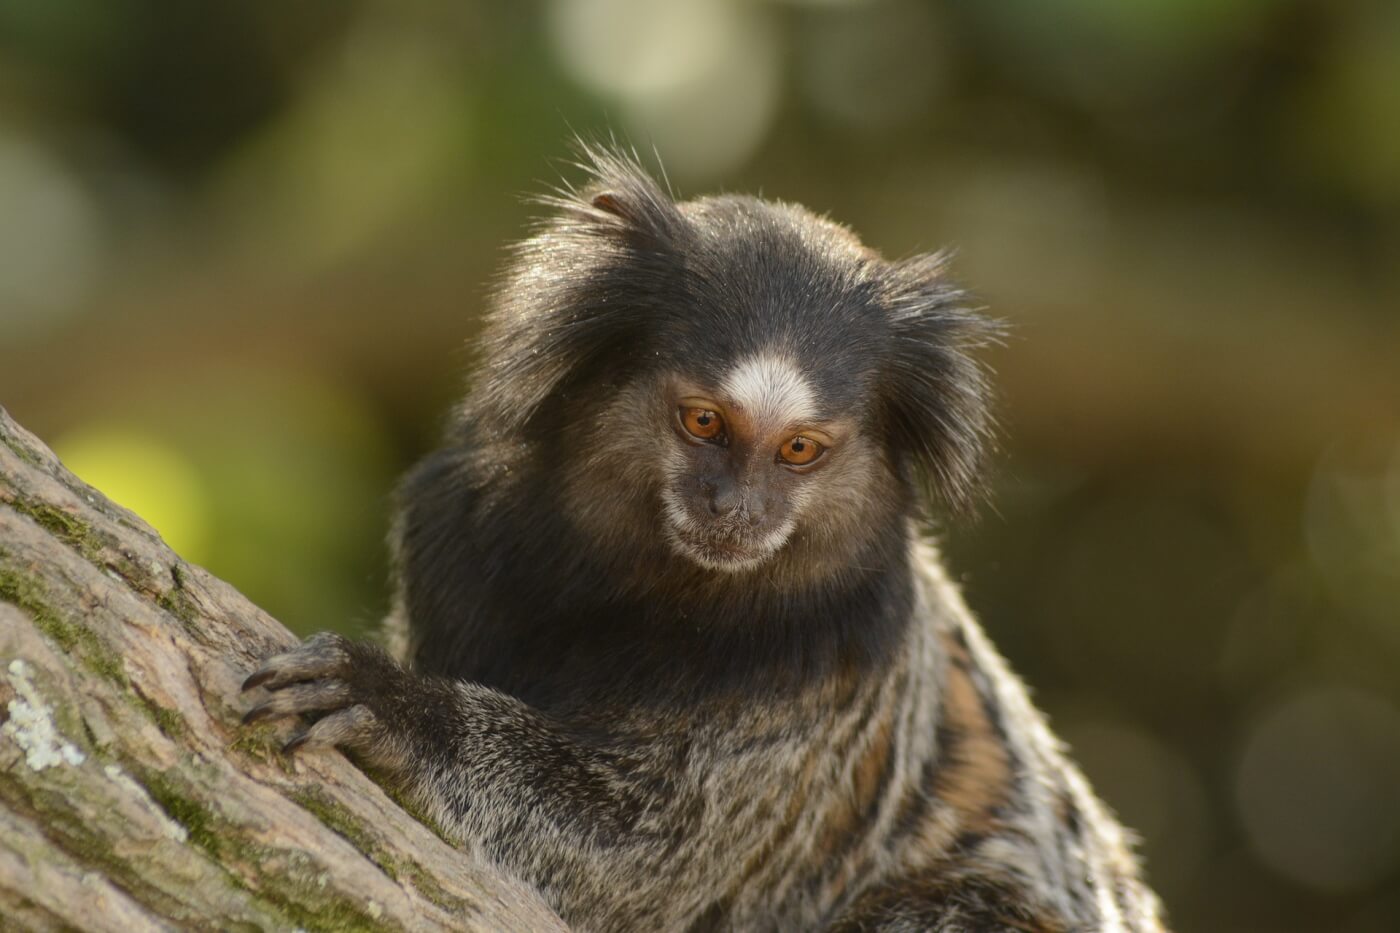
{"x":131,"y":798}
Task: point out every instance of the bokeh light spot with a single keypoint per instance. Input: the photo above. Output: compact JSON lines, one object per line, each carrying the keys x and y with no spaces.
{"x":145,"y":474}
{"x":49,"y":239}
{"x":1317,"y":788}
{"x":699,"y":80}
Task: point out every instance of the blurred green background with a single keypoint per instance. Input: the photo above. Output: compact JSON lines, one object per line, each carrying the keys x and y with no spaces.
{"x":243,"y":243}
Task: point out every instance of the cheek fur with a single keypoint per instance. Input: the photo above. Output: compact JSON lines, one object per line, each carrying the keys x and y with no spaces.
{"x":841,"y":507}
{"x":611,"y":486}
{"x":676,"y":471}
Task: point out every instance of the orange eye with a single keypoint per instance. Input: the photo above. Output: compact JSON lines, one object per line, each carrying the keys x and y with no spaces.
{"x":799,"y":451}
{"x":702,"y":423}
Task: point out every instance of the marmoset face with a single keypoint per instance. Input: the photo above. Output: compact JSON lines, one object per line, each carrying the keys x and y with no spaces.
{"x":735,"y":467}
{"x":748,"y":461}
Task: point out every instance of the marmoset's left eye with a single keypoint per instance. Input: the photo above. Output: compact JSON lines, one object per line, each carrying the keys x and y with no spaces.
{"x":703,"y":423}
{"x":799,"y":451}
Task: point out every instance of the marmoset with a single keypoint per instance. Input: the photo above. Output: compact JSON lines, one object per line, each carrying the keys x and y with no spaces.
{"x":668,"y":643}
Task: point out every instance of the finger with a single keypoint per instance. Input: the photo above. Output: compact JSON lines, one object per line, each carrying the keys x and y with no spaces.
{"x":300,"y":698}
{"x":321,"y":656}
{"x":347,"y":727}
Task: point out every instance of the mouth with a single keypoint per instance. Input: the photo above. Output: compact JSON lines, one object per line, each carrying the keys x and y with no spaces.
{"x":721,"y":555}
{"x":723,"y":550}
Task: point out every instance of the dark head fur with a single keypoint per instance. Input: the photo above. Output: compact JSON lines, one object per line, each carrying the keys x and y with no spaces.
{"x":622,"y":278}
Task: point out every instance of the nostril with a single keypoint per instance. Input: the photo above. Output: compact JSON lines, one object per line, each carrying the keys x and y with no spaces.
{"x":724,"y":501}
{"x":709,"y":491}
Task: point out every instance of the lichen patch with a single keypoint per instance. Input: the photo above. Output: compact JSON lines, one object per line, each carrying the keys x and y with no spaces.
{"x":31,"y":726}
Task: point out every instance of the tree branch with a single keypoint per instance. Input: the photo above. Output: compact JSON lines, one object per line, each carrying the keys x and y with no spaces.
{"x":131,"y":799}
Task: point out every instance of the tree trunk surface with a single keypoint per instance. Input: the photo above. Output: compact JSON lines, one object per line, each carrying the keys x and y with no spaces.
{"x":130,"y":796}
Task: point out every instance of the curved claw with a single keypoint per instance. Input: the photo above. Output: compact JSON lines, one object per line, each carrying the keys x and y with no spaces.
{"x":352,"y":726}
{"x":311,"y":697}
{"x":258,"y":713}
{"x":321,"y":655}
{"x":257,"y":679}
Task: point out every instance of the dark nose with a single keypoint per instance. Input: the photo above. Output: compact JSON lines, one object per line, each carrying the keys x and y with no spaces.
{"x":728,"y":498}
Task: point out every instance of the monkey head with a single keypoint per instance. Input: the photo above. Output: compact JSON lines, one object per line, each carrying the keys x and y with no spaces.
{"x":735,"y":383}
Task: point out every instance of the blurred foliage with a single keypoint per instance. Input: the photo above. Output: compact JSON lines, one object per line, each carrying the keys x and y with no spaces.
{"x":241,"y":244}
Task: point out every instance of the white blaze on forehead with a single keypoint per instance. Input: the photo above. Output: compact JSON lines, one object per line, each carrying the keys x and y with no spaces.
{"x":769,"y":389}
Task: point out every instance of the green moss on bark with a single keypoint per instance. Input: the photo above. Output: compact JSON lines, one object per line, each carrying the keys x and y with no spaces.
{"x":70,"y":529}
{"x":73,"y":638}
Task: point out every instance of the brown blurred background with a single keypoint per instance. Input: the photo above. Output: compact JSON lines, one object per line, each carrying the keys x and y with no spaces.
{"x":243,"y":243}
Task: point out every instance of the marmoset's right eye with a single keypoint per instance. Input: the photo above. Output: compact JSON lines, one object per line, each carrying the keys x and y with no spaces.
{"x":800,"y":451}
{"x":703,"y":423}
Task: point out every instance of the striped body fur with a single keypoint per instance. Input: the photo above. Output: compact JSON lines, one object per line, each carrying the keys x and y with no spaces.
{"x":655,"y":660}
